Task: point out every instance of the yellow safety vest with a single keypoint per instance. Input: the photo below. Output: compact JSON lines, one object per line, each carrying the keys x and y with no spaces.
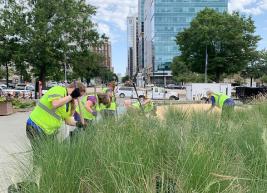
{"x":87,"y":115}
{"x":147,"y":107}
{"x":220,"y":98}
{"x":47,"y":118}
{"x":113,"y":105}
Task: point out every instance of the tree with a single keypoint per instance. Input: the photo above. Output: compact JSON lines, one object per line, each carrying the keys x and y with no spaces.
{"x":182,"y":73}
{"x":2,"y":73}
{"x":228,"y":39}
{"x":107,"y":76}
{"x":125,"y":78}
{"x":86,"y":65}
{"x":50,"y":30}
{"x":257,"y":66}
{"x":10,"y":34}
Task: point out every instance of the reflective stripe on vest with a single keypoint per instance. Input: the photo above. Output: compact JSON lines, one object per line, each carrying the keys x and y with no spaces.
{"x":50,"y":111}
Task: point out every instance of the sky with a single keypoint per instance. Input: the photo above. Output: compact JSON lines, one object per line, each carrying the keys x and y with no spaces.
{"x":112,"y":14}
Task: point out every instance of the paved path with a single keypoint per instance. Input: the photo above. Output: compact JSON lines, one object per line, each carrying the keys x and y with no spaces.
{"x":13,"y":142}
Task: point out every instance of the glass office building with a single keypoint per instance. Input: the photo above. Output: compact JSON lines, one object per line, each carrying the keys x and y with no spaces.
{"x":141,"y":20}
{"x":132,"y":46}
{"x":163,"y":19}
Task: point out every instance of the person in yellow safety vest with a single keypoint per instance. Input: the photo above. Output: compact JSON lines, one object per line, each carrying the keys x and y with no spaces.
{"x":90,"y":105}
{"x":146,"y":103}
{"x":55,"y":106}
{"x":221,"y":101}
{"x":111,"y":110}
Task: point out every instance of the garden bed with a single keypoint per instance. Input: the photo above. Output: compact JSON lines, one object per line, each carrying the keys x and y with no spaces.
{"x":183,"y":153}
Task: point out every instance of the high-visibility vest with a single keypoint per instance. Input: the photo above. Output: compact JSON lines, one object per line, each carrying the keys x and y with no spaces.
{"x":113,"y":105}
{"x":147,"y":107}
{"x":47,"y":118}
{"x":87,"y":115}
{"x":220,"y":98}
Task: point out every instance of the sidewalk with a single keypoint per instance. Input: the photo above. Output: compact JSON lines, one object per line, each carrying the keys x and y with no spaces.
{"x":13,"y":142}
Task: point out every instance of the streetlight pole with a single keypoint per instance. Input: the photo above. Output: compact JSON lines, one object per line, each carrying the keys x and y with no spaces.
{"x":206,"y":65}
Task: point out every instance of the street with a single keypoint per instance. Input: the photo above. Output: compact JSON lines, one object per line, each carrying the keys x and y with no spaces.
{"x":13,"y":145}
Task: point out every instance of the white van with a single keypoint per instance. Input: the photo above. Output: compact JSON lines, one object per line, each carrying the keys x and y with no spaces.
{"x":123,"y":92}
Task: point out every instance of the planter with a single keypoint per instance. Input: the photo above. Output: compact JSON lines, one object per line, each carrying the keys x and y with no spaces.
{"x":6,"y":108}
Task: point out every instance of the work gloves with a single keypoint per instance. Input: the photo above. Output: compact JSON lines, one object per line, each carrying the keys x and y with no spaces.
{"x":94,"y":113}
{"x":75,"y":93}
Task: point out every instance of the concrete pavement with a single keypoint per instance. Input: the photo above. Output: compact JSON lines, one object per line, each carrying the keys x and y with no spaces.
{"x":13,"y":144}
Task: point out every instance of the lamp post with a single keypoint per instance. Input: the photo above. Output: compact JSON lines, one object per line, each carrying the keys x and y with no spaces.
{"x":206,"y":65}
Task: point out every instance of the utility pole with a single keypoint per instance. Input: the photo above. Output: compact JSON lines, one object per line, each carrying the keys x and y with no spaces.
{"x":206,"y":65}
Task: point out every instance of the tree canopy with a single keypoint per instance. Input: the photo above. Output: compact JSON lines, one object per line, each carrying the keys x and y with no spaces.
{"x":228,"y":38}
{"x":45,"y":34}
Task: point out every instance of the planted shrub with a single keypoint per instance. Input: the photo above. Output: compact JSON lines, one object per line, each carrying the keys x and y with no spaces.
{"x":185,"y":153}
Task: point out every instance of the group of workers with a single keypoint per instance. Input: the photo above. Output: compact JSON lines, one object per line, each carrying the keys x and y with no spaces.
{"x":74,"y":107}
{"x":60,"y":104}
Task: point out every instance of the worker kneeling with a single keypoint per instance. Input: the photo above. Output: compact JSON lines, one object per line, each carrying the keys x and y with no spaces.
{"x":90,"y":105}
{"x":221,"y":101}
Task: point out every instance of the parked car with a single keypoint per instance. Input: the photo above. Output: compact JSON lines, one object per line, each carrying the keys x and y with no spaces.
{"x":3,"y":86}
{"x":20,"y":86}
{"x":173,"y":86}
{"x":123,"y":92}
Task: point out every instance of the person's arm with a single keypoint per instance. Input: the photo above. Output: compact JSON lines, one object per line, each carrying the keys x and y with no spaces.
{"x":70,"y":121}
{"x":88,"y":106}
{"x":212,"y":105}
{"x":60,"y":102}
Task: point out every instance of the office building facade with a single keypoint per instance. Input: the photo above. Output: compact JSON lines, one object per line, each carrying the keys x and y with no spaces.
{"x":132,"y":46}
{"x":105,"y":50}
{"x":163,"y":19}
{"x":141,"y":19}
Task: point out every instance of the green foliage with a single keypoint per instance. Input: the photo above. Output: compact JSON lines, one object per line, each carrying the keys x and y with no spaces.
{"x":182,"y":73}
{"x":22,"y":104}
{"x":46,"y":33}
{"x":186,"y":152}
{"x":257,"y":66}
{"x":125,"y":78}
{"x":107,"y":76}
{"x":229,"y":39}
{"x":2,"y":73}
{"x":86,"y":64}
{"x":264,"y":78}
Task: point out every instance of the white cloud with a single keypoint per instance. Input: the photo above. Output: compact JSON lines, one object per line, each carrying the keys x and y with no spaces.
{"x":111,"y":15}
{"x":252,"y":7}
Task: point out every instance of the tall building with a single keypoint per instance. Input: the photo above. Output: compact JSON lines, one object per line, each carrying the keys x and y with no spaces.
{"x":141,"y":19}
{"x":132,"y":46}
{"x":163,"y":19}
{"x":105,"y":50}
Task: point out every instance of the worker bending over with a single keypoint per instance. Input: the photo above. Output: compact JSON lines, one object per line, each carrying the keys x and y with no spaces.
{"x":110,"y":91}
{"x":147,"y":105}
{"x":55,"y":106}
{"x":221,"y":101}
{"x":90,"y":105}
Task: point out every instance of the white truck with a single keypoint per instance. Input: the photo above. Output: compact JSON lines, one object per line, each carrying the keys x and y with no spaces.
{"x":156,"y":93}
{"x":197,"y":91}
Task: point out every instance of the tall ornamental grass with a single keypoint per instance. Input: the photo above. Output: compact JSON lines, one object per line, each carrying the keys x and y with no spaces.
{"x":185,"y":153}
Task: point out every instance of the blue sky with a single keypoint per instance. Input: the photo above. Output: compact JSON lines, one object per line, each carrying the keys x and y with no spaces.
{"x":111,"y":19}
